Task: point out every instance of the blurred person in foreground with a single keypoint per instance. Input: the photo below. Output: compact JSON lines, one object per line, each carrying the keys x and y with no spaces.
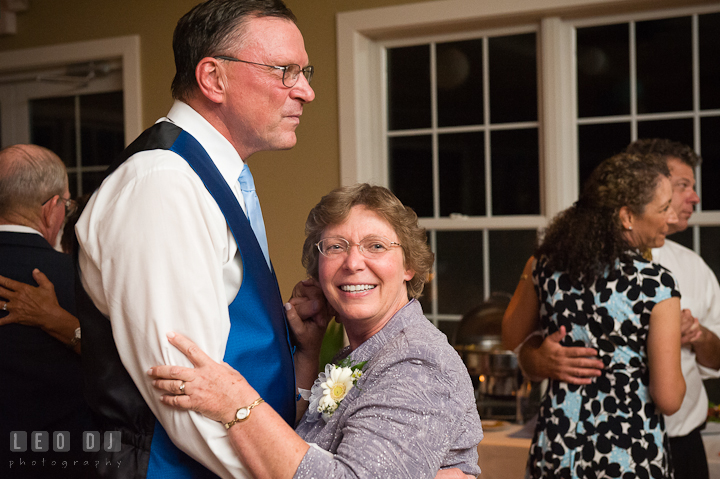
{"x":397,"y":403}
{"x":591,"y":285}
{"x":39,"y":362}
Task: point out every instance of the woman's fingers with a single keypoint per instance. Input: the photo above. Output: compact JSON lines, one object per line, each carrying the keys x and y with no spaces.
{"x":173,"y":386}
{"x":189,"y":349}
{"x":171,"y":372}
{"x":8,"y":286}
{"x":42,"y":280}
{"x":182,"y":401}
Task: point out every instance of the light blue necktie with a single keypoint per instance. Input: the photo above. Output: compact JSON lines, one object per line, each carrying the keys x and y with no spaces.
{"x":253,"y":211}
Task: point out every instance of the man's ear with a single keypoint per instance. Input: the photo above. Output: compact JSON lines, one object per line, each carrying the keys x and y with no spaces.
{"x":626,"y":217}
{"x":50,"y":219}
{"x":48,"y":209}
{"x":211,"y":79}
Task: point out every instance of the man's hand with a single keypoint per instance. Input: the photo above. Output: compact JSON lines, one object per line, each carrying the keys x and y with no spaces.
{"x":690,"y":328}
{"x":308,"y":314}
{"x":547,"y":358}
{"x":703,"y":342}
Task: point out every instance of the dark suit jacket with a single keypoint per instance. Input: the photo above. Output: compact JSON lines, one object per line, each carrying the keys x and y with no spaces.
{"x":41,"y":378}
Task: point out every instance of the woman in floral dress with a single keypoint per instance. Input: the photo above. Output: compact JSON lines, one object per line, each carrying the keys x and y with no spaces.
{"x":592,"y":283}
{"x":398,"y":403}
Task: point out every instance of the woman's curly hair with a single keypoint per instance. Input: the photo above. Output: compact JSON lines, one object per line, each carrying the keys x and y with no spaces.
{"x":587,"y":238}
{"x":334,"y":208}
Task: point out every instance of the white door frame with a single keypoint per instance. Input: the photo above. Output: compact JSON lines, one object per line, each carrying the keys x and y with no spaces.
{"x":126,"y":49}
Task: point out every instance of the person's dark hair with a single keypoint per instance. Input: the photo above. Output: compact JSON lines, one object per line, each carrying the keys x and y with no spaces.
{"x":666,"y":149}
{"x":29,"y":175}
{"x":587,"y":238}
{"x":212,"y":28}
{"x":67,"y":242}
{"x":334,"y":208}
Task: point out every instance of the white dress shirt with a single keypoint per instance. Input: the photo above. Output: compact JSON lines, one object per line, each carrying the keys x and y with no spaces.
{"x":157,"y":256}
{"x":701,"y":295}
{"x":19,"y":229}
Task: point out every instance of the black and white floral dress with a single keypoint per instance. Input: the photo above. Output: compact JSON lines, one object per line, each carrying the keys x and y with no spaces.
{"x":608,"y":428}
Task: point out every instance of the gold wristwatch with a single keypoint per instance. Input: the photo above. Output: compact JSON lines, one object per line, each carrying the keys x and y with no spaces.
{"x":243,"y":413}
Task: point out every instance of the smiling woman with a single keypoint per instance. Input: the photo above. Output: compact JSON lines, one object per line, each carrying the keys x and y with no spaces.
{"x":398,"y":403}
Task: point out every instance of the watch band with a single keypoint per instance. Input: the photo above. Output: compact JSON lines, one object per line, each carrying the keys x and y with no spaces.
{"x":75,"y":339}
{"x":243,"y":413}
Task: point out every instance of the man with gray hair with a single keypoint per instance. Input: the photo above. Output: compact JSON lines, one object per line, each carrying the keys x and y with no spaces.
{"x":37,"y":362}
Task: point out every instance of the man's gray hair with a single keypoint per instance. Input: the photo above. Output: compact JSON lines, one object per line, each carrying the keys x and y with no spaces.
{"x":29,"y":176}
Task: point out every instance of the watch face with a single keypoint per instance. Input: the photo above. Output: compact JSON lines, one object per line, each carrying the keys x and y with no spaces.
{"x":242,"y":413}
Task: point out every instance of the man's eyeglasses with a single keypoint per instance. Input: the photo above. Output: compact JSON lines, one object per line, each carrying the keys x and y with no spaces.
{"x":291,"y":72}
{"x":370,"y":247}
{"x":71,"y":206}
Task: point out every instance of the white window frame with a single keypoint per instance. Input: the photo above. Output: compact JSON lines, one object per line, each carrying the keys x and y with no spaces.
{"x":360,"y":38}
{"x":363,"y":35}
{"x":125,"y":48}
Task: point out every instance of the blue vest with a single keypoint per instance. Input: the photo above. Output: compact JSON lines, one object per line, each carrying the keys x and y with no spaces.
{"x":258,"y":344}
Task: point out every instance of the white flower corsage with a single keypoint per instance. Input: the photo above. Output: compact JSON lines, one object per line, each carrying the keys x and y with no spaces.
{"x":331,"y":387}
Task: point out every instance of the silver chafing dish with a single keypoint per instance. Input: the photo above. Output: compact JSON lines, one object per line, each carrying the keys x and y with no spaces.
{"x":500,"y":389}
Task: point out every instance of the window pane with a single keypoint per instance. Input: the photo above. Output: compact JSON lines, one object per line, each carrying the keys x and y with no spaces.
{"x":680,"y":129}
{"x":513,"y":78}
{"x":73,"y":184}
{"x":603,"y":70}
{"x":460,"y":83}
{"x":515,"y":172}
{"x":709,"y":241}
{"x":509,"y":251}
{"x":52,"y":125}
{"x":709,"y":64}
{"x":408,"y":87}
{"x":598,"y":142}
{"x":462,"y":174}
{"x":91,"y":180}
{"x":710,"y":168}
{"x":102,"y":127}
{"x":664,"y":65}
{"x":459,"y":271}
{"x":410,"y":169}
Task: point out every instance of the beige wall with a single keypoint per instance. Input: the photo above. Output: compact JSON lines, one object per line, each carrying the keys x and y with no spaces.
{"x":289,"y":182}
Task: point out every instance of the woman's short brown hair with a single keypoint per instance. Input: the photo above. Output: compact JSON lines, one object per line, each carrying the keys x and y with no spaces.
{"x":334,"y":208}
